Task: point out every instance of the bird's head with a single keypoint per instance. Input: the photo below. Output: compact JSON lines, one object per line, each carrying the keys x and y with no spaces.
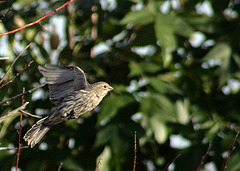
{"x":101,"y":88}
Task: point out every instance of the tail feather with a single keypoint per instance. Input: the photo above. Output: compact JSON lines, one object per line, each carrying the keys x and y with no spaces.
{"x":35,"y":134}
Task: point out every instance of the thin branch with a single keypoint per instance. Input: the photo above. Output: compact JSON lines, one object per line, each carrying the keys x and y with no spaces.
{"x":205,"y":155}
{"x":165,"y":169}
{"x":43,"y":27}
{"x":13,"y":112}
{"x":10,"y":9}
{"x":29,"y":114}
{"x":12,"y":148}
{"x":22,"y":94}
{"x":14,"y":63}
{"x":36,"y":22}
{"x":99,"y":162}
{"x":4,"y":58}
{"x":19,"y":134}
{"x":60,"y":166}
{"x":135,"y":151}
{"x":28,"y":65}
{"x":233,"y":147}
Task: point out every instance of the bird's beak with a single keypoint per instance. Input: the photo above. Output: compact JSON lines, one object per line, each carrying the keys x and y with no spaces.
{"x":110,"y":88}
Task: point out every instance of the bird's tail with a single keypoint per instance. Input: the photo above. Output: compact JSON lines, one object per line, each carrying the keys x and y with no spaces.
{"x":38,"y":130}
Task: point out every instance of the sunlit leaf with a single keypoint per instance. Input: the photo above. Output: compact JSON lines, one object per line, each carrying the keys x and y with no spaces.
{"x":221,"y":53}
{"x":179,"y":25}
{"x":104,"y":158}
{"x":141,"y":17}
{"x":182,"y":111}
{"x":167,"y":57}
{"x":165,"y":34}
{"x":159,"y":130}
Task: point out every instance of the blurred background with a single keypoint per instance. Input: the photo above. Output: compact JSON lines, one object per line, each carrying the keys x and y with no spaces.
{"x":174,"y":66}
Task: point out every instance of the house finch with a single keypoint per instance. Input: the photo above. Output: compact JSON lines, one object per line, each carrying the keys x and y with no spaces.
{"x":72,"y":95}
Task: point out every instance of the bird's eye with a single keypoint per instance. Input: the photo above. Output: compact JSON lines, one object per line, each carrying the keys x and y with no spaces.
{"x":105,"y":86}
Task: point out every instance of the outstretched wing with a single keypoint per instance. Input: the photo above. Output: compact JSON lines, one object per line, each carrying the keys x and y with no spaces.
{"x":63,"y":80}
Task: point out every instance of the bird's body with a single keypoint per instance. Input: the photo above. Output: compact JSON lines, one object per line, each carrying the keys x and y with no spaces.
{"x":71,"y":93}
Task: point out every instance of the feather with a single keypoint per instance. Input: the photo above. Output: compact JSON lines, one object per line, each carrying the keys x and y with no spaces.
{"x":71,"y":93}
{"x":35,"y":134}
{"x":63,"y":80}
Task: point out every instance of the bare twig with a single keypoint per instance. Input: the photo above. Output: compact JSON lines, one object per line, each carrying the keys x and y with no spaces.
{"x":4,"y":58}
{"x":19,"y":134}
{"x":99,"y":162}
{"x":29,"y":114}
{"x":22,"y":94}
{"x":233,"y":147}
{"x":135,"y":151}
{"x":14,"y":63}
{"x":38,"y":21}
{"x":10,"y":9}
{"x":43,"y":27}
{"x":60,"y":166}
{"x":13,"y":112}
{"x":165,"y":169}
{"x":94,"y":31}
{"x":205,"y":155}
{"x":12,"y":148}
{"x":28,"y":65}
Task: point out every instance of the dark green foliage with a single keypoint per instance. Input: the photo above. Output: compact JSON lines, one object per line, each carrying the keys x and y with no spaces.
{"x":171,"y":88}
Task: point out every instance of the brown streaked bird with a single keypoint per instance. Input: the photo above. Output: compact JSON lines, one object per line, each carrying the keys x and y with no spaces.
{"x":72,"y":95}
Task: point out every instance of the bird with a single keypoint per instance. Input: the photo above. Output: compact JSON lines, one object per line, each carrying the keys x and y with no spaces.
{"x":72,"y":95}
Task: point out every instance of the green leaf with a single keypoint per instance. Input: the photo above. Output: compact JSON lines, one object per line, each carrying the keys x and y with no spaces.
{"x":103,"y":137}
{"x":111,"y":105}
{"x":120,"y":88}
{"x":233,"y":164}
{"x":158,"y":84}
{"x":168,"y":108}
{"x":167,"y":57}
{"x":165,"y":34}
{"x":150,"y":67}
{"x":221,"y":52}
{"x":225,"y":71}
{"x":159,"y":105}
{"x":201,"y":22}
{"x":135,"y":69}
{"x":24,"y":3}
{"x":30,"y":34}
{"x":71,"y":164}
{"x":105,"y":157}
{"x":213,"y":131}
{"x":179,"y":25}
{"x":100,"y":71}
{"x":141,"y":17}
{"x":182,"y":111}
{"x":159,"y":130}
{"x":162,"y":86}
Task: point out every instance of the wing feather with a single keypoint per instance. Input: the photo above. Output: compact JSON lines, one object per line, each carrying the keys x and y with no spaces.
{"x":63,"y":80}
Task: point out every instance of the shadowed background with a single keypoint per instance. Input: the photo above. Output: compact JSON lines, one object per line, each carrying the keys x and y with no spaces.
{"x":174,"y":66}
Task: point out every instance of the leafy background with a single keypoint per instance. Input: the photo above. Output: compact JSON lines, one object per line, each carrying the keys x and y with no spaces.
{"x":174,"y":66}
